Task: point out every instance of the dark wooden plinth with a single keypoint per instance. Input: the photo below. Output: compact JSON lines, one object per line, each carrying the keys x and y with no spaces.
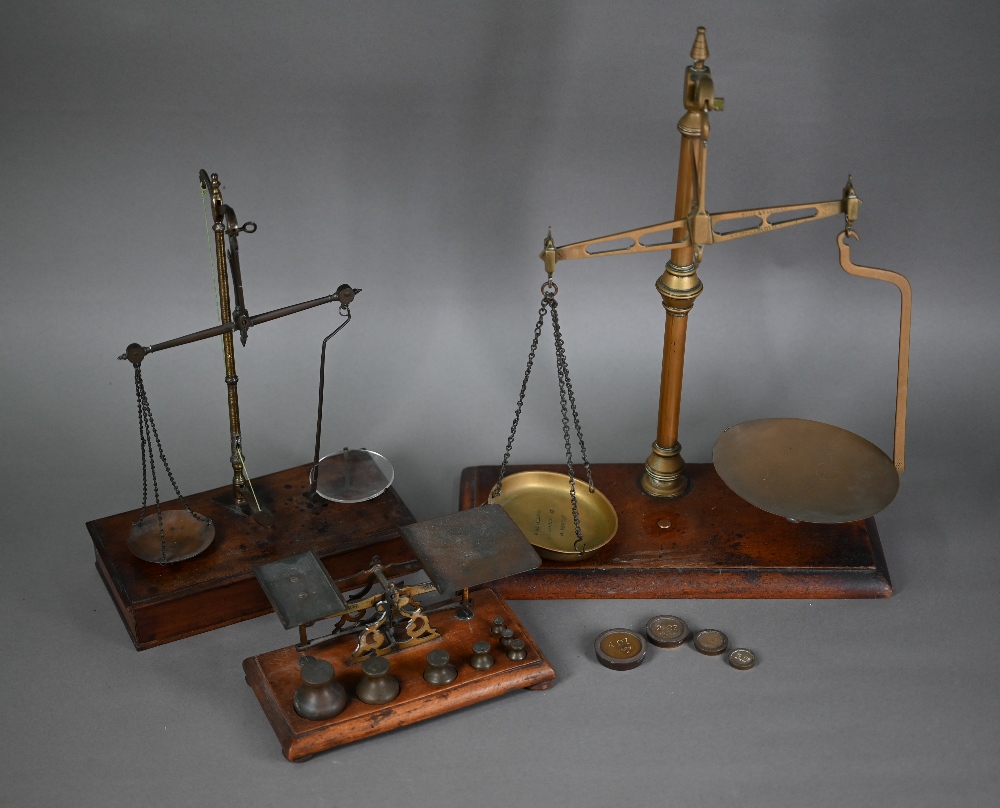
{"x":718,"y":546}
{"x":159,"y":604}
{"x":275,"y":676}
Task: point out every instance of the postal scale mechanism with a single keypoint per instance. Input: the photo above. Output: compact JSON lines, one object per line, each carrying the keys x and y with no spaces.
{"x":385,"y":659}
{"x":338,"y":504}
{"x":787,"y":508}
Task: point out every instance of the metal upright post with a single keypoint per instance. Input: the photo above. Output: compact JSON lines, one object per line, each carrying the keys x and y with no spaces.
{"x":219,"y":228}
{"x":679,"y":285}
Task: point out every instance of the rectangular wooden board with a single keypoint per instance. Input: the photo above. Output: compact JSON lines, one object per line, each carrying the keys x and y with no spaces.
{"x":275,"y":677}
{"x":717,"y":545}
{"x":160,"y":604}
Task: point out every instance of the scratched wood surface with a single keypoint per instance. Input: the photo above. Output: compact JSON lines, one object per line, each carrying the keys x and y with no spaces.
{"x":717,"y":546}
{"x":275,"y":676}
{"x":159,"y":604}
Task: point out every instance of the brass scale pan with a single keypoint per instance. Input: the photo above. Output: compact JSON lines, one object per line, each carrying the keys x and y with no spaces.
{"x":803,"y":470}
{"x":813,"y":472}
{"x":539,"y":503}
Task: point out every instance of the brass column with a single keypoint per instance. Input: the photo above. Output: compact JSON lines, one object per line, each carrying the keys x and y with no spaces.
{"x":679,"y":286}
{"x":219,"y":228}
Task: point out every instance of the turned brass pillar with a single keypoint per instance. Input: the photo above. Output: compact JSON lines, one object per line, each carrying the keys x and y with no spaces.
{"x":679,"y":284}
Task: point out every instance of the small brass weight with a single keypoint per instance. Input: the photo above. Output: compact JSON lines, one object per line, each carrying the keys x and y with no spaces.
{"x":799,"y":469}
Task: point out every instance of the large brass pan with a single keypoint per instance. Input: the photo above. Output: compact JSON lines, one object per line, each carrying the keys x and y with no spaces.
{"x":806,"y":471}
{"x":540,"y":504}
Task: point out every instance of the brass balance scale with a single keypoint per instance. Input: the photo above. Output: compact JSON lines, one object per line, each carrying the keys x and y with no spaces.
{"x":786,"y":510}
{"x":178,"y":568}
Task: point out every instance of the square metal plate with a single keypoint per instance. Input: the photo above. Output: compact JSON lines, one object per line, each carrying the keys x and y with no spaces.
{"x":300,"y":589}
{"x":470,"y":548}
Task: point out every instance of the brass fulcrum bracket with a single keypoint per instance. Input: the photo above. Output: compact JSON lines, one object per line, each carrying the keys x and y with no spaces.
{"x":691,"y":229}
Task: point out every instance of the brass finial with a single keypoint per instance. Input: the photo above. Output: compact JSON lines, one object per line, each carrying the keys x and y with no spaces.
{"x":852,"y":204}
{"x":549,"y":254}
{"x":699,"y":51}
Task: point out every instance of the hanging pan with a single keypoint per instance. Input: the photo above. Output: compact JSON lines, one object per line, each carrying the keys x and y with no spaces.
{"x":812,"y":472}
{"x":562,"y":522}
{"x":541,"y":505}
{"x":351,"y":475}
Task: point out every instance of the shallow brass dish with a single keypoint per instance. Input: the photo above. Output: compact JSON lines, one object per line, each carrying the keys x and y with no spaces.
{"x":540,"y":504}
{"x":806,"y":471}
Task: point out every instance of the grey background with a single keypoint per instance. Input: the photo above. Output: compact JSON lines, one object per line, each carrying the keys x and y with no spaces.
{"x":419,"y":151}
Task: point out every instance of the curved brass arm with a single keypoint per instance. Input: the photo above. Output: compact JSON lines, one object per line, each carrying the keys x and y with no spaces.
{"x":903,"y":367}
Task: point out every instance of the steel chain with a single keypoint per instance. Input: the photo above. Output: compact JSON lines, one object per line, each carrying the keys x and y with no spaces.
{"x":520,"y":399}
{"x":567,"y":402}
{"x":147,"y":425}
{"x":562,"y":372}
{"x":561,"y":352}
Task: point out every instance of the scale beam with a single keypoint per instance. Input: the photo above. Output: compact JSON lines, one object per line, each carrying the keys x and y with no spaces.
{"x":344,"y":295}
{"x":810,"y":212}
{"x":591,"y":248}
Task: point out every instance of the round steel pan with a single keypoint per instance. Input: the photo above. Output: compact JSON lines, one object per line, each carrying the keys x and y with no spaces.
{"x":184,"y":536}
{"x":540,"y":504}
{"x":354,"y":475}
{"x":805,"y":470}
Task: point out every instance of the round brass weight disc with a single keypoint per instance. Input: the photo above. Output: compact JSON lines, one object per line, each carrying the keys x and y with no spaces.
{"x":184,"y":536}
{"x":539,"y":503}
{"x":805,"y":470}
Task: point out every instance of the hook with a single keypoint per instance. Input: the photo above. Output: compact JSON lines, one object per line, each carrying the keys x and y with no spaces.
{"x":903,"y":364}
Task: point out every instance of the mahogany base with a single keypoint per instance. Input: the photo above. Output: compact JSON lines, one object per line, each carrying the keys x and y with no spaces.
{"x":159,"y":604}
{"x":717,"y":546}
{"x":275,"y":676}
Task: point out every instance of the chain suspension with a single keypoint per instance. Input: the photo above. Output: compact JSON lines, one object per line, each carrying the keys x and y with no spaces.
{"x":567,"y":401}
{"x":147,"y":435}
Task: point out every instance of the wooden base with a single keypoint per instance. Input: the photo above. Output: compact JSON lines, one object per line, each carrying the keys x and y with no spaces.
{"x":159,"y":604}
{"x":275,"y":677}
{"x":717,"y":546}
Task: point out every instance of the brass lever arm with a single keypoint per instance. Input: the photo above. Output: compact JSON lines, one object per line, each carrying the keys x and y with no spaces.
{"x":903,"y":364}
{"x":590,"y":247}
{"x":810,"y":213}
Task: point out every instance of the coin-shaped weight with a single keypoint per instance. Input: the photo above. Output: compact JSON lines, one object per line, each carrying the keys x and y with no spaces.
{"x":742,"y":659}
{"x":667,"y":631}
{"x":711,"y":642}
{"x":620,"y":649}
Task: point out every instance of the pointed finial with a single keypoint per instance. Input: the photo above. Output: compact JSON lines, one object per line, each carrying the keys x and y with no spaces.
{"x":852,"y":204}
{"x":549,"y":254}
{"x":699,"y":51}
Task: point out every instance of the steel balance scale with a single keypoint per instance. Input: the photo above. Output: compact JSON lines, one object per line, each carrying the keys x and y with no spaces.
{"x":785,"y":511}
{"x":182,"y":567}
